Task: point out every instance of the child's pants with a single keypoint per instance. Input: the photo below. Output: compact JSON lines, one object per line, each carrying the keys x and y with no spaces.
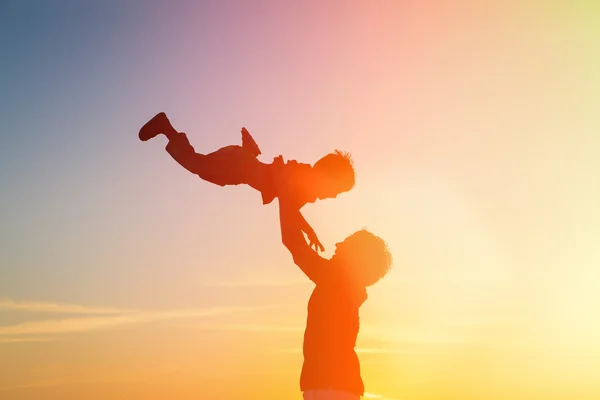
{"x":229,"y":165}
{"x":329,"y":394}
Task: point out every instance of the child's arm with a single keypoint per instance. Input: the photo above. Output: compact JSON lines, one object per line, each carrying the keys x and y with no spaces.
{"x":183,"y":152}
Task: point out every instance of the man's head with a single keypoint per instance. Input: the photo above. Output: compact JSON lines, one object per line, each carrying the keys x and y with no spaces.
{"x":365,"y":257}
{"x":334,"y":174}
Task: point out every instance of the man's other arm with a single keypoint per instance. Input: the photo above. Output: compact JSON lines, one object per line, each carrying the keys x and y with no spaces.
{"x":313,"y":265}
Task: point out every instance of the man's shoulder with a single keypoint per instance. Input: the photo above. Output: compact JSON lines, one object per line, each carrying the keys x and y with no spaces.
{"x":309,"y":256}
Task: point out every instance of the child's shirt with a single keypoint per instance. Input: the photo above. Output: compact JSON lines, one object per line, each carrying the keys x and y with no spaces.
{"x":298,"y":176}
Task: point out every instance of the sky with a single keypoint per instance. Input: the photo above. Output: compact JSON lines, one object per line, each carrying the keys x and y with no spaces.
{"x":473,"y":128}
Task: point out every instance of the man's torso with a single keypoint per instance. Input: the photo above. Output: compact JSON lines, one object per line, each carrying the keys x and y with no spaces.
{"x":329,"y":340}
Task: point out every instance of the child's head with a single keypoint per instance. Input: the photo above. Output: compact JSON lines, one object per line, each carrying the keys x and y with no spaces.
{"x":335,"y":175}
{"x":365,"y":257}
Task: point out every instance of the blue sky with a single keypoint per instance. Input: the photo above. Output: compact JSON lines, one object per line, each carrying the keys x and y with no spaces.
{"x":474,"y":135}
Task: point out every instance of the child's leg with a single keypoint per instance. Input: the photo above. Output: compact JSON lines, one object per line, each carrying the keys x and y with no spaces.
{"x":179,"y":147}
{"x":230,"y":165}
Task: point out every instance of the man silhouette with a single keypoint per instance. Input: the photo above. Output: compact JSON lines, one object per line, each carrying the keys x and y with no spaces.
{"x":331,"y":368}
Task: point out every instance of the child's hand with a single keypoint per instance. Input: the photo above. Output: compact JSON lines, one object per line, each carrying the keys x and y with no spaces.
{"x":314,"y":241}
{"x":278,"y":167}
{"x":278,"y":161}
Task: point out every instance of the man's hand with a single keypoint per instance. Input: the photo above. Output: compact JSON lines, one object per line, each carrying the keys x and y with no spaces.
{"x":292,"y":224}
{"x":288,"y":192}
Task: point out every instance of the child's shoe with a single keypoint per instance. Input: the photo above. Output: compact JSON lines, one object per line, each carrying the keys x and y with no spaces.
{"x":157,"y":125}
{"x":249,"y":144}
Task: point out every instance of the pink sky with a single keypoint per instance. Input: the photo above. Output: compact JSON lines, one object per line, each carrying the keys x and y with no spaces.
{"x":474,"y":135}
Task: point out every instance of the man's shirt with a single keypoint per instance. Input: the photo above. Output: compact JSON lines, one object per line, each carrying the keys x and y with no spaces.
{"x":332,"y":325}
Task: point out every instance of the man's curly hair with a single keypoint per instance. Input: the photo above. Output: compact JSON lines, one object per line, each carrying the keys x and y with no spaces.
{"x":369,"y":256}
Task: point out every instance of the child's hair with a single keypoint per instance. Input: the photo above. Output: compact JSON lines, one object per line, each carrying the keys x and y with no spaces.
{"x":339,"y":165}
{"x":369,"y":256}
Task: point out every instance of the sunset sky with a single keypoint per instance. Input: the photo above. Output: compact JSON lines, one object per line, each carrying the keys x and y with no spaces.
{"x":475,"y":132}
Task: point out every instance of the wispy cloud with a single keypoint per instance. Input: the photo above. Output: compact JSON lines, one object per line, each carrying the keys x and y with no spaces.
{"x":261,"y":283}
{"x":7,"y":304}
{"x":361,"y":350}
{"x":382,"y":350}
{"x":102,"y":318}
{"x":378,"y":397}
{"x":26,"y":339}
{"x":72,"y":325}
{"x":415,"y":336}
{"x":253,"y":327}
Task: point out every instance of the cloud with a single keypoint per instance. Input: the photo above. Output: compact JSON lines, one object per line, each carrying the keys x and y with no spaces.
{"x":281,"y":283}
{"x":26,"y":339}
{"x":378,"y":397}
{"x":15,"y":333}
{"x":382,"y":350}
{"x":443,"y":336}
{"x":253,"y":327}
{"x":7,"y":304}
{"x":361,"y":350}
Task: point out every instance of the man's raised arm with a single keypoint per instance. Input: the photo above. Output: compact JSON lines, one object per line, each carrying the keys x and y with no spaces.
{"x":313,"y":265}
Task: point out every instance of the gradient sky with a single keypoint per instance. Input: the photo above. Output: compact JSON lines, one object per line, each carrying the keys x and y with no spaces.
{"x":474,"y":131}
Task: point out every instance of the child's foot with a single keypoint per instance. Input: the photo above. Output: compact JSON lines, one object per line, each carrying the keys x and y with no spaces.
{"x":249,"y":144}
{"x":157,"y":125}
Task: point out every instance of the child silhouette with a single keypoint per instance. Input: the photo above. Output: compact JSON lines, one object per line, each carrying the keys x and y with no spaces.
{"x":234,"y":165}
